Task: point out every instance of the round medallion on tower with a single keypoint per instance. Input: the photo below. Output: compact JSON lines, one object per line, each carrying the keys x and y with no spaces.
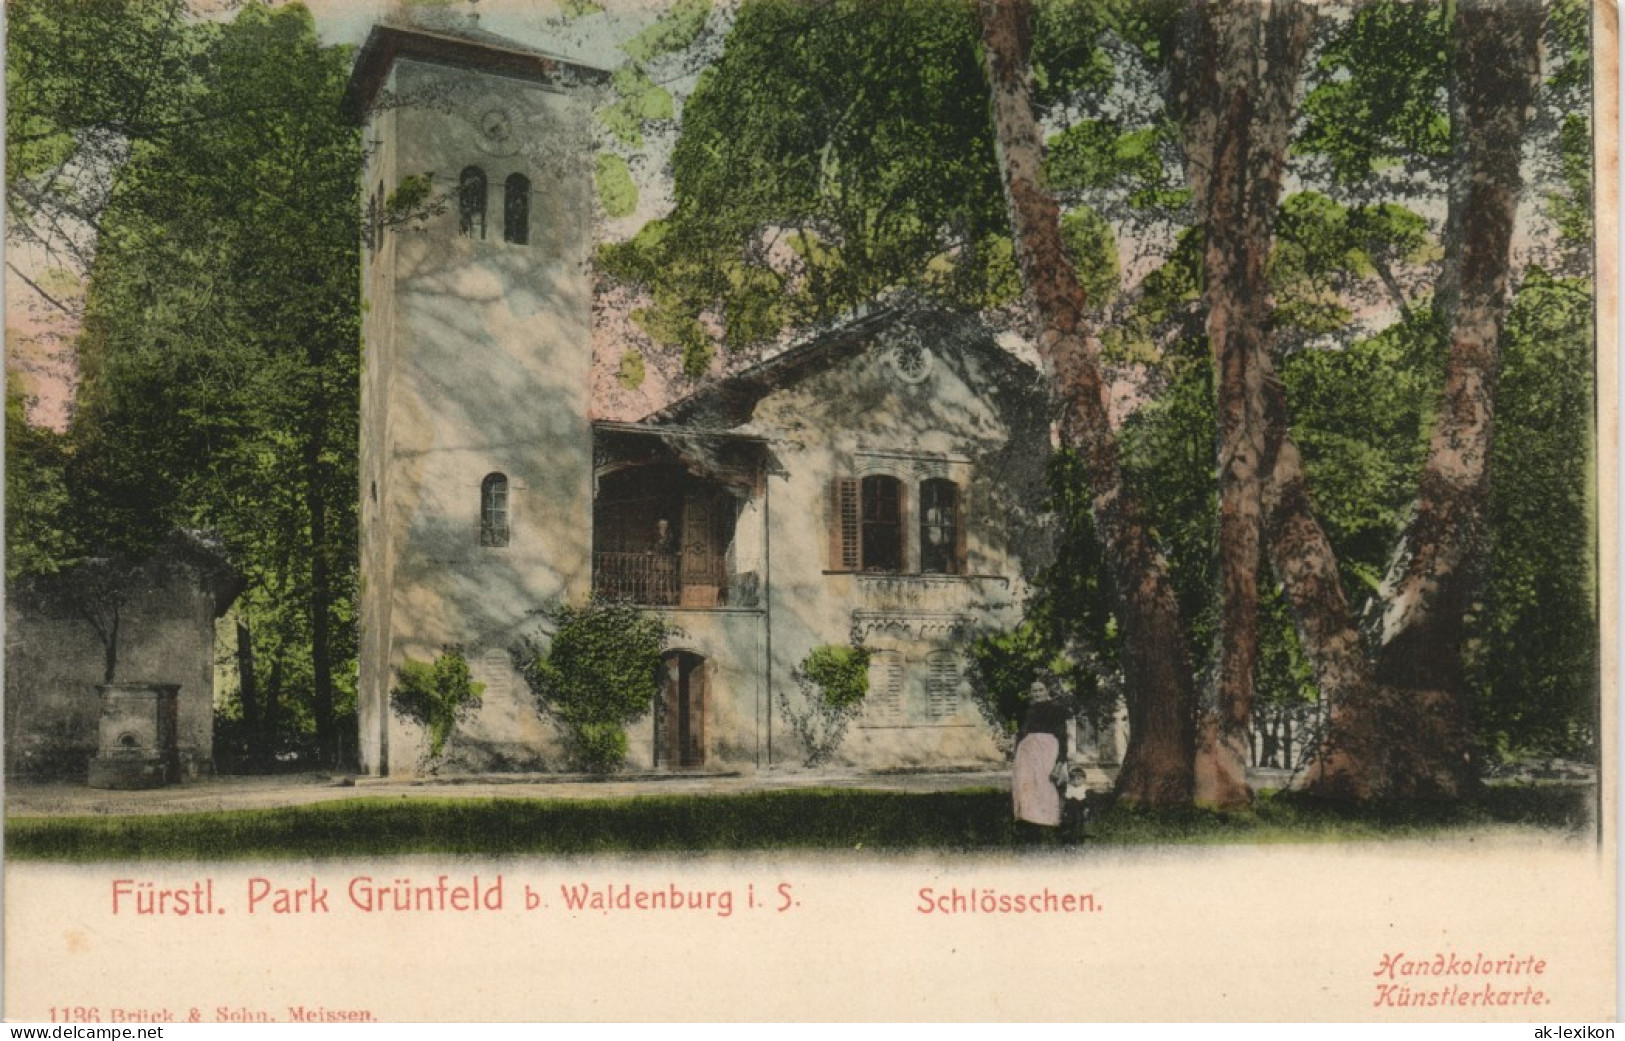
{"x":498,"y":131}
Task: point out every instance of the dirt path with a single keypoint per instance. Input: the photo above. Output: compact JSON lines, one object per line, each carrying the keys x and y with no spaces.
{"x":242,"y":793}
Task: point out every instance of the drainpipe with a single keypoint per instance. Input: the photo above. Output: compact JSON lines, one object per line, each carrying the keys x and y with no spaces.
{"x":767,"y":613}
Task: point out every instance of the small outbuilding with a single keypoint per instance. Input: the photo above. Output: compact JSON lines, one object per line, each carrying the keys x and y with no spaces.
{"x":109,"y":620}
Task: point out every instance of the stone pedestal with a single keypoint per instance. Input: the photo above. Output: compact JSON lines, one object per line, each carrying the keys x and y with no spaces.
{"x":137,"y":736}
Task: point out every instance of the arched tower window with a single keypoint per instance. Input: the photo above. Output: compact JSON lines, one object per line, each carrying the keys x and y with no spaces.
{"x":471,"y":202}
{"x":494,"y":510}
{"x":516,"y":209}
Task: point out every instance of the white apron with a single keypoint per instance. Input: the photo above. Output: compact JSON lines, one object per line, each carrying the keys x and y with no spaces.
{"x":1036,"y":798}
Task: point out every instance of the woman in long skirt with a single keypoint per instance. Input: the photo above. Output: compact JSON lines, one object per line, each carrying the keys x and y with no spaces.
{"x":1040,"y":744}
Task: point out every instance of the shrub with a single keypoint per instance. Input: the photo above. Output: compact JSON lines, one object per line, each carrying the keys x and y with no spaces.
{"x":833,"y":681}
{"x":597,"y":674}
{"x":436,"y":695}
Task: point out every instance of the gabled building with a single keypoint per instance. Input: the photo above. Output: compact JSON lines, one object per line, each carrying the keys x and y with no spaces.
{"x":874,"y":482}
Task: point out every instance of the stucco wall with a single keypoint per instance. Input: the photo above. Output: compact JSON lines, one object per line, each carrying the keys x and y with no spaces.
{"x":976,"y":418}
{"x":477,"y":363}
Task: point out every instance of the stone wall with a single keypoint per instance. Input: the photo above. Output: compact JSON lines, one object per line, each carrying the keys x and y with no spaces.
{"x":150,"y":621}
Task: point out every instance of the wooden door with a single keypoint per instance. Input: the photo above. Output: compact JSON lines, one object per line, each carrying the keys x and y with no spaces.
{"x":701,"y":586}
{"x":680,"y":716}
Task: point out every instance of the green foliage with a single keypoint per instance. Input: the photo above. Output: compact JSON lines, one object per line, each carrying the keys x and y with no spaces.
{"x":37,"y":497}
{"x":839,"y":674}
{"x":674,"y":31}
{"x":409,"y":197}
{"x":832,"y":152}
{"x":218,"y":360}
{"x":631,"y":370}
{"x":573,"y":9}
{"x":1093,"y":247}
{"x":1003,"y":668}
{"x":1094,"y":154}
{"x":1566,"y":100}
{"x":1381,"y":90}
{"x":80,"y":74}
{"x":1066,"y":56}
{"x":616,"y":190}
{"x":1364,"y":450}
{"x":1168,"y":291}
{"x":1322,"y":247}
{"x":639,"y":99}
{"x":1068,"y":629}
{"x":669,"y":327}
{"x":436,"y":695}
{"x":1533,"y":649}
{"x":833,"y":681}
{"x":596,"y":674}
{"x":1571,"y":207}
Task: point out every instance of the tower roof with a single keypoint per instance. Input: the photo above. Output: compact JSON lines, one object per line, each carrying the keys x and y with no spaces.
{"x":467,"y":47}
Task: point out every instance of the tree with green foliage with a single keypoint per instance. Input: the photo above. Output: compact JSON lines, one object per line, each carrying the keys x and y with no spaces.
{"x":1158,"y":769}
{"x":86,"y":82}
{"x":436,"y":696}
{"x":596,"y":673}
{"x":832,"y":681}
{"x":1400,"y":726}
{"x":37,"y":497}
{"x":832,"y":152}
{"x":219,"y":356}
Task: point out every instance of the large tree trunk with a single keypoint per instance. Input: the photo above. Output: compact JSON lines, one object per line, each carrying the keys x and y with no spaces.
{"x":1306,"y":566}
{"x":1156,"y":661}
{"x":1406,"y":735}
{"x":1236,"y":75}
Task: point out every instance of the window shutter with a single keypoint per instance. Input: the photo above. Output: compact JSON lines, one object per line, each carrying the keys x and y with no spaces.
{"x":903,"y":563}
{"x":942,"y":682}
{"x":961,"y":564}
{"x":885,"y":696}
{"x":844,"y":525}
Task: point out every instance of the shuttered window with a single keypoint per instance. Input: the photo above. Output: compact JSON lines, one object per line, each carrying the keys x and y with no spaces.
{"x":866,"y":524}
{"x":885,"y":696}
{"x":942,"y":685}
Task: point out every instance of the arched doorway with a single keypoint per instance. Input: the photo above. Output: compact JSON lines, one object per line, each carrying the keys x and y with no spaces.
{"x":680,"y":717}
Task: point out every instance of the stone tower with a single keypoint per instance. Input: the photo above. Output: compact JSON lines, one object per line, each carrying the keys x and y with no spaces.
{"x":476,"y":451}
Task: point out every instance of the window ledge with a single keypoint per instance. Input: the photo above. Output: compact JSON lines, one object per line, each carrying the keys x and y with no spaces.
{"x":892,"y":576}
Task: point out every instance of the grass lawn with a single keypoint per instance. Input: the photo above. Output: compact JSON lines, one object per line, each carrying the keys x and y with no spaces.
{"x":808,"y":819}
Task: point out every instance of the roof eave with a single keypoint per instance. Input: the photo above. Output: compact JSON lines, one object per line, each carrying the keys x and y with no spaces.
{"x":387,"y":44}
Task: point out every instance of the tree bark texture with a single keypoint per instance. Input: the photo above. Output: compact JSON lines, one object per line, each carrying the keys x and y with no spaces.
{"x":1407,"y":734}
{"x":1157,"y":769}
{"x":1236,"y":76}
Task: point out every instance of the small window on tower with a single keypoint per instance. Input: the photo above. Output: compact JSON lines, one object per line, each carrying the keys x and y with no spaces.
{"x":471,"y":202}
{"x":494,"y":510}
{"x":516,"y":210}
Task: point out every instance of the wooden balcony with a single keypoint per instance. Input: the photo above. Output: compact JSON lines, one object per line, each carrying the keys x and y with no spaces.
{"x":649,"y":578}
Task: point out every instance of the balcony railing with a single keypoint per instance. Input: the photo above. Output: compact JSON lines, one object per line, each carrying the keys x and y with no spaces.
{"x":642,"y":578}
